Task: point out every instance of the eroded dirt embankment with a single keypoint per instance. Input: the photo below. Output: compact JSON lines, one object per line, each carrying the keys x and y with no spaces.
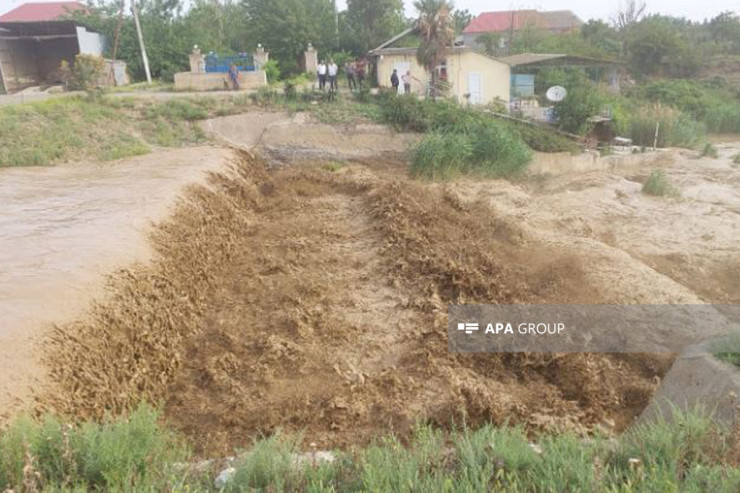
{"x":316,"y":301}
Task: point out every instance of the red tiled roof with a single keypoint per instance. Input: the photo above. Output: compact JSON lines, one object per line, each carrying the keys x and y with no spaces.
{"x":503,"y":20}
{"x":41,"y":12}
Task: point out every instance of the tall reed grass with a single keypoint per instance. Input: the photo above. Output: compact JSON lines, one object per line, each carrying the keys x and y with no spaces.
{"x":675,"y":128}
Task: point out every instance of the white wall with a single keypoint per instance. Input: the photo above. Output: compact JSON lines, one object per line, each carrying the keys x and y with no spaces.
{"x":90,"y":43}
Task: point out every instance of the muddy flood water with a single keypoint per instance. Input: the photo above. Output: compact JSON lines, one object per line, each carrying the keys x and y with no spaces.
{"x":62,"y":229}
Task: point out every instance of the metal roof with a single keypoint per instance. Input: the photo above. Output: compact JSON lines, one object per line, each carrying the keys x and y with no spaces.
{"x":545,"y":59}
{"x":41,"y":12}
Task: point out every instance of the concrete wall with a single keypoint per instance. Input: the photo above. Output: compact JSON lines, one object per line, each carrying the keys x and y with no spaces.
{"x":90,"y":43}
{"x":189,"y":81}
{"x":495,"y":75}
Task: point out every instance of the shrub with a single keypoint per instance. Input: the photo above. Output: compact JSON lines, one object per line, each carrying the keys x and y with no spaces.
{"x":272,"y":71}
{"x":658,"y":184}
{"x":486,"y":148}
{"x":709,"y":151}
{"x":85,"y":73}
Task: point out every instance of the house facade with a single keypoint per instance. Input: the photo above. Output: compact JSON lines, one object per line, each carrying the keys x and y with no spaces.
{"x":472,"y":77}
{"x":34,"y":40}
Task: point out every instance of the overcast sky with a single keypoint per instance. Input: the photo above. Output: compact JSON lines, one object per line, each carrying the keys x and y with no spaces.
{"x":585,"y":9}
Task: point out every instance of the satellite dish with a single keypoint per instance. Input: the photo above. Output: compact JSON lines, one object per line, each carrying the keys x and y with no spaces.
{"x":556,"y":94}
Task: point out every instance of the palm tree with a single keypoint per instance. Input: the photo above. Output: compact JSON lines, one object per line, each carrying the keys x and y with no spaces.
{"x":435,"y":25}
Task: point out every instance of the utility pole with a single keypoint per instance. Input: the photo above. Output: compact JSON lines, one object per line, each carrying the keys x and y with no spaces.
{"x":336,"y":22}
{"x":118,"y":28}
{"x":144,"y":58}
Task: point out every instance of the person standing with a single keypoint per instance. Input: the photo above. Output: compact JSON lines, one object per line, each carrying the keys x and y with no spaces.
{"x":234,"y":76}
{"x":321,"y":69}
{"x":350,"y":70}
{"x":360,"y":72}
{"x":394,"y":80}
{"x":407,"y":78}
{"x":332,"y":71}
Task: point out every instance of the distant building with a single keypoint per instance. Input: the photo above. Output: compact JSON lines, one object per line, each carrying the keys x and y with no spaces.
{"x":507,"y":22}
{"x":471,"y":77}
{"x":36,"y":37}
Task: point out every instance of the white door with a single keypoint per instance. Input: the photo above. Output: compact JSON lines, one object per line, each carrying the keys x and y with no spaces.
{"x":401,"y":69}
{"x":475,"y":88}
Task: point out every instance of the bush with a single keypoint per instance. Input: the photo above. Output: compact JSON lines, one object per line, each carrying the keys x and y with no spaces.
{"x":85,"y":73}
{"x":657,"y":184}
{"x":485,"y":148}
{"x":709,"y":151}
{"x":272,"y":71}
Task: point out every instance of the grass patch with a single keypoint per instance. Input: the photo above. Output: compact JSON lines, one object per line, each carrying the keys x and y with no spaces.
{"x":736,"y":159}
{"x":658,"y":184}
{"x":138,"y":453}
{"x":103,"y":128}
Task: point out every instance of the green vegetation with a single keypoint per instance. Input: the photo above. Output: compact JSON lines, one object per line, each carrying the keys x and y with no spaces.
{"x":674,"y":128}
{"x":736,"y":159}
{"x":658,"y":184}
{"x":139,"y":453}
{"x":102,"y":128}
{"x":709,"y":151}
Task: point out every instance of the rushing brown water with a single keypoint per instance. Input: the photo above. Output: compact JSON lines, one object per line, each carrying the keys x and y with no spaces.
{"x":62,"y":229}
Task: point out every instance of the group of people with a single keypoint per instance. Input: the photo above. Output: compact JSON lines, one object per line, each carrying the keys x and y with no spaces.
{"x":327,"y":73}
{"x":355,"y":71}
{"x":406,"y":78}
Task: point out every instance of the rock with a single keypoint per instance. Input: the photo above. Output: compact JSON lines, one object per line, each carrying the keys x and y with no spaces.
{"x":224,"y":477}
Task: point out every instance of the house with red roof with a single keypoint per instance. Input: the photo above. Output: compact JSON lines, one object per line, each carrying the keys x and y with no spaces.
{"x":36,"y":37}
{"x":506,"y":23}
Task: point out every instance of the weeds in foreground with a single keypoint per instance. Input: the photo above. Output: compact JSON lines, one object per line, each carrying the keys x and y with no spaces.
{"x":689,"y":452}
{"x":658,"y":184}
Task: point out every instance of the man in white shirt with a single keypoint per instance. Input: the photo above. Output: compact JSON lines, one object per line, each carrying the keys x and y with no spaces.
{"x":321,"y":69}
{"x":332,"y":70}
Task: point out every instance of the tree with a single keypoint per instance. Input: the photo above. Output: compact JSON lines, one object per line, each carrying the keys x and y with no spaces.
{"x":657,"y":46}
{"x":435,"y":28}
{"x":460,"y":20}
{"x":285,"y":27}
{"x":371,"y":22}
{"x":630,"y":12}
